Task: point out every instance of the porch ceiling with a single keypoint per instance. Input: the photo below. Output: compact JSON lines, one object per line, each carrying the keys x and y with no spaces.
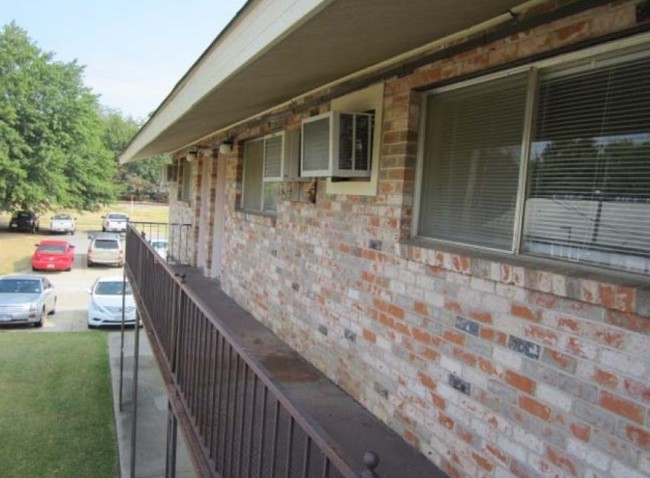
{"x":276,"y":50}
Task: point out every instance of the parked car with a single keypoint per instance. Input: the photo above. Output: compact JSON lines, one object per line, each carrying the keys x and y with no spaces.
{"x":105,"y":308}
{"x":24,"y":221}
{"x":106,"y":248}
{"x":160,"y":246}
{"x":115,"y":222}
{"x":26,"y":299}
{"x":62,"y":222}
{"x":51,"y":255}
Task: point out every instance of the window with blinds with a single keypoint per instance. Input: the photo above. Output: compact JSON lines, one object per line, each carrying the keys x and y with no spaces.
{"x":586,"y":194}
{"x":263,"y":171}
{"x":471,"y":163}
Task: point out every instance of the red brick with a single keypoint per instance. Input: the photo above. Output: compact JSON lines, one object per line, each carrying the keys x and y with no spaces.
{"x":605,"y":379}
{"x":484,"y":317}
{"x":566,"y":323}
{"x":581,"y":431}
{"x":421,"y":335}
{"x":446,"y":421}
{"x":621,"y":407}
{"x":561,"y":460}
{"x":482,"y":462}
{"x":639,"y":436}
{"x":487,"y":366}
{"x":453,"y":336}
{"x":438,"y":401}
{"x":497,"y":453}
{"x":525,"y":312}
{"x":633,"y":322}
{"x":625,"y":298}
{"x":421,"y":308}
{"x":453,"y":306}
{"x":519,"y":381}
{"x":494,"y":336}
{"x":541,"y":334}
{"x":464,"y":356}
{"x":427,"y":381}
{"x":637,"y":390}
{"x":369,"y":336}
{"x":535,"y":408}
{"x":607,"y":295}
{"x":410,"y":437}
{"x":430,"y":354}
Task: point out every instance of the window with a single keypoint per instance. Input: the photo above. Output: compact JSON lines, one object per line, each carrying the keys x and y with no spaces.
{"x":552,"y":161}
{"x":263,"y":173}
{"x":185,"y":180}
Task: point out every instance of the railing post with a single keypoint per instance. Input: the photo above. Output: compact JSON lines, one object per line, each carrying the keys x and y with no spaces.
{"x":371,"y":460}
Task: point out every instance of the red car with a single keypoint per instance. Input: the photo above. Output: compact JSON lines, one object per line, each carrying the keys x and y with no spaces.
{"x":52,"y":255}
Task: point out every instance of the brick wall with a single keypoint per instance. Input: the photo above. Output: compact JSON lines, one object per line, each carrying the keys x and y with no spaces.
{"x":491,"y":366}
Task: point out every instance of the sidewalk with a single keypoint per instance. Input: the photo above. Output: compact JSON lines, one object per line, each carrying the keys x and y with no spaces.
{"x":151,"y":432}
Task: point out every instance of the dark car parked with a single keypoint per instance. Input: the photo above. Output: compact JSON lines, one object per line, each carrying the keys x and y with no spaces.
{"x":24,"y":221}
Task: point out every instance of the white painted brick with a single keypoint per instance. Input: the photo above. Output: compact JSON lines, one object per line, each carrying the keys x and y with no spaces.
{"x":482,"y":284}
{"x":397,"y":286}
{"x":406,"y":276}
{"x":502,"y":473}
{"x":426,"y":282}
{"x":591,"y":455}
{"x":458,"y":414}
{"x":623,"y":363}
{"x":476,"y":378}
{"x":451,"y":365}
{"x":528,"y":440}
{"x":414,"y":292}
{"x":554,"y":397}
{"x":512,"y":448}
{"x":644,"y":463}
{"x":353,"y":294}
{"x":507,"y":358}
{"x":483,"y":430}
{"x":447,"y":393}
{"x":433,"y":298}
{"x":619,"y":470}
{"x":495,"y":304}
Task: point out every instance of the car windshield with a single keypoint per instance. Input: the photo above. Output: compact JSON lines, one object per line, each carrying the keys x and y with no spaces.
{"x":106,"y":244}
{"x":20,"y":286}
{"x":62,"y":217}
{"x":23,"y":214}
{"x":159,"y":244}
{"x":117,"y":217}
{"x":112,"y":288}
{"x":51,"y":249}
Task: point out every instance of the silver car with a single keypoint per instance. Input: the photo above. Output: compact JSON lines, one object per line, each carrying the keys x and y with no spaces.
{"x":105,"y":248}
{"x":26,"y":299}
{"x":115,"y":222}
{"x":105,"y":308}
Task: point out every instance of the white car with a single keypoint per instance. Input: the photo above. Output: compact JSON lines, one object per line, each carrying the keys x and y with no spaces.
{"x":115,"y":222}
{"x":63,"y":223}
{"x":160,"y":246}
{"x":105,"y":308}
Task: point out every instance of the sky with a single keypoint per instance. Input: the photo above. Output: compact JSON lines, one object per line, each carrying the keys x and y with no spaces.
{"x":134,"y":51}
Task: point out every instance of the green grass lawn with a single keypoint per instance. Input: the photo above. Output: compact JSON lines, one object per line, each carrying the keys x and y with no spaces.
{"x":56,"y":412}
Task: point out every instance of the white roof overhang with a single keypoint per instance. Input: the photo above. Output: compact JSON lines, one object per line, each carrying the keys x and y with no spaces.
{"x":277,"y":50}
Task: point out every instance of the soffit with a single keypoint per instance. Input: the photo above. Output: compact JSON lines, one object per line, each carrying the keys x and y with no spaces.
{"x":277,"y":50}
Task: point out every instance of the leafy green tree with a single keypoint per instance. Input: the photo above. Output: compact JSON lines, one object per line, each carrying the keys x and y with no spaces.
{"x":51,"y":148}
{"x":142,"y":178}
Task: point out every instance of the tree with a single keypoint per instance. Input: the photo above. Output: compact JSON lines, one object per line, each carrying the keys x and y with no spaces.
{"x":51,"y":148}
{"x":141,"y":178}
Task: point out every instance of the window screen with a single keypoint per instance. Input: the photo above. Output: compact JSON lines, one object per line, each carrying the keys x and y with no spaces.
{"x":253,"y":161}
{"x":589,"y":189}
{"x":262,"y":173}
{"x":471,"y":162}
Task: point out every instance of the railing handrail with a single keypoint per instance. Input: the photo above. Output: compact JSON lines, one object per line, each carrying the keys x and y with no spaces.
{"x":319,"y":436}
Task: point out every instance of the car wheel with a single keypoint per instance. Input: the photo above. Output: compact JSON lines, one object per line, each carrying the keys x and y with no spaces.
{"x":53,"y":311}
{"x":103,"y":229}
{"x":91,"y":327}
{"x":34,"y":230}
{"x":34,"y":268}
{"x":90,"y":264}
{"x":39,"y":324}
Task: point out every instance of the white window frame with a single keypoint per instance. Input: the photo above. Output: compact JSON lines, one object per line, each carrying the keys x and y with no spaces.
{"x":264,"y":180}
{"x":533,"y":69}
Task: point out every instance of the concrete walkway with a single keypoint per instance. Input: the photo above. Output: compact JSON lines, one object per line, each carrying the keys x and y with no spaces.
{"x":151,"y":432}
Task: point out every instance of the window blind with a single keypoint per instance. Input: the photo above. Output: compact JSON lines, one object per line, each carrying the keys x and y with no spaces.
{"x":273,"y":158}
{"x":471,"y":163}
{"x":252,"y":187}
{"x":589,"y":172}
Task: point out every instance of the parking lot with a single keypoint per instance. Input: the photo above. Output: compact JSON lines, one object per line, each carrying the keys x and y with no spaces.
{"x":71,"y":287}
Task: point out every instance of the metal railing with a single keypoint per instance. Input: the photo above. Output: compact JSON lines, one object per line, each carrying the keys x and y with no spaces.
{"x":241,"y":423}
{"x":177,"y":235}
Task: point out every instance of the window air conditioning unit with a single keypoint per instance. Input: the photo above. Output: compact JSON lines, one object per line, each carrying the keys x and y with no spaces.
{"x":281,"y":156}
{"x":337,"y":144}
